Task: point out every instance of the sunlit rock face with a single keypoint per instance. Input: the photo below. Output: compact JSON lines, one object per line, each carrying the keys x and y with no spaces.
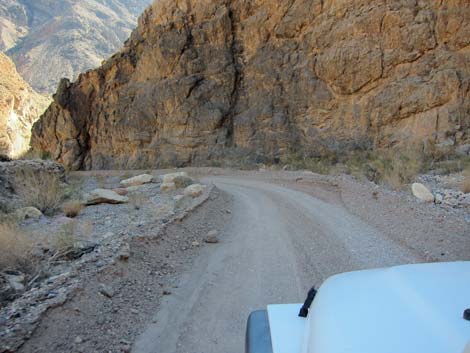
{"x":202,"y":80}
{"x":20,"y":107}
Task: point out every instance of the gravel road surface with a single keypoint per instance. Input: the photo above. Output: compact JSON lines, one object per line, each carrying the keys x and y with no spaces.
{"x":278,"y":244}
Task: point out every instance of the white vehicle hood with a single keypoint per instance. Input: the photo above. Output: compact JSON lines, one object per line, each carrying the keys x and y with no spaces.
{"x":404,"y":309}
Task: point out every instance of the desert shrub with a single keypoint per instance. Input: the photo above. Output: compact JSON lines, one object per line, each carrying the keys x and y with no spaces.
{"x":72,"y":208}
{"x":465,"y":187}
{"x":65,"y":240}
{"x":40,"y":189}
{"x":16,"y":248}
{"x":396,"y":167}
{"x":322,"y":165}
{"x":70,"y":241}
{"x":30,"y":154}
{"x":74,"y":189}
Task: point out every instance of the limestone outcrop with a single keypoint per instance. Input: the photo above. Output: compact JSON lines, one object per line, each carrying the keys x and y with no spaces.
{"x":202,"y":80}
{"x":20,"y":107}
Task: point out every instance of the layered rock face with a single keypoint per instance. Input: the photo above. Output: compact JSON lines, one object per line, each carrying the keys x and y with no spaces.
{"x":261,"y":79}
{"x":20,"y":107}
{"x":49,"y":40}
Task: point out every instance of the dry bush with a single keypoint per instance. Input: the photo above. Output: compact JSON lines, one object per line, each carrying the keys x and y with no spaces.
{"x":67,"y":242}
{"x":66,"y":239}
{"x":465,"y":187}
{"x":39,"y":189}
{"x":16,"y":249}
{"x":30,"y":154}
{"x":72,"y":208}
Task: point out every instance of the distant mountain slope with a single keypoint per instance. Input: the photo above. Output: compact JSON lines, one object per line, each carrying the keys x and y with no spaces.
{"x":50,"y":39}
{"x":20,"y":107}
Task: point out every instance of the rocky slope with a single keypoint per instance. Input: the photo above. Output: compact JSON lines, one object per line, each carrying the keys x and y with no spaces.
{"x":49,"y":40}
{"x":263,"y":79}
{"x":20,"y":107}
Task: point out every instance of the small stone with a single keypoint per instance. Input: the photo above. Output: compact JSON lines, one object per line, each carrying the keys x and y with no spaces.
{"x":211,"y":237}
{"x":194,"y":190}
{"x":166,"y":292}
{"x":78,"y":340}
{"x":137,"y":180}
{"x":106,"y":291}
{"x":124,"y":252}
{"x":195,"y":243}
{"x":16,"y":281}
{"x":421,"y":192}
{"x":98,"y":196}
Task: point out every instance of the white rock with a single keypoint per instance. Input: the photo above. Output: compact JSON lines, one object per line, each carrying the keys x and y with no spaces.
{"x":98,"y":196}
{"x":137,"y":180}
{"x":167,"y":187}
{"x":170,"y":178}
{"x":194,"y":190}
{"x":28,"y":213}
{"x":421,"y":192}
{"x":16,"y":282}
{"x":178,"y":198}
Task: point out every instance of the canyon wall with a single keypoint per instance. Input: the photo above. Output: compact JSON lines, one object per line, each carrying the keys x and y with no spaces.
{"x":261,"y":79}
{"x":20,"y":107}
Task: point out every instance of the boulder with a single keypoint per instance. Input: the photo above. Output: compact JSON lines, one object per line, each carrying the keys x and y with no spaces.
{"x":422,"y":193}
{"x":167,"y":187}
{"x":194,"y":190}
{"x":98,"y":196}
{"x":137,"y":180}
{"x":183,"y":181}
{"x":170,"y":178}
{"x":121,"y":191}
{"x":28,"y":213}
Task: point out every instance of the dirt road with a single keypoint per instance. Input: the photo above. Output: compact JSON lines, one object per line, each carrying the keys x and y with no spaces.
{"x":278,"y":244}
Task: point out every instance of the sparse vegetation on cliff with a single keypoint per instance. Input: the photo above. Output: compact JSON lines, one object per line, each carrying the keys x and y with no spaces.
{"x":394,"y":167}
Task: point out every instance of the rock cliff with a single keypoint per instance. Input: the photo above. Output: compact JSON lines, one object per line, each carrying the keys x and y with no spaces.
{"x":201,"y":80}
{"x":20,"y":107}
